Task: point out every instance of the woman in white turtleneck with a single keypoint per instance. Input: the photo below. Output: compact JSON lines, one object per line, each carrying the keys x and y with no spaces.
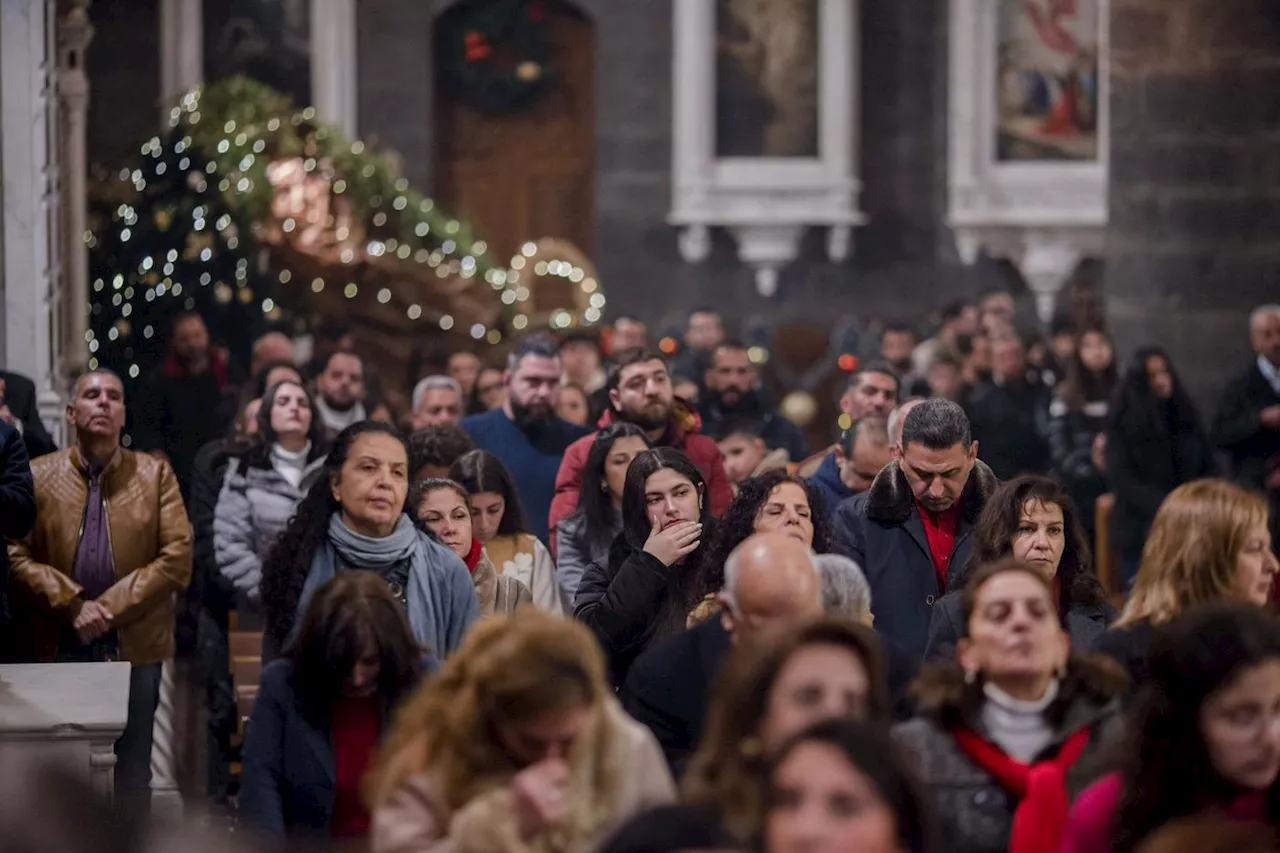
{"x":262,"y":488}
{"x":1003,"y":732}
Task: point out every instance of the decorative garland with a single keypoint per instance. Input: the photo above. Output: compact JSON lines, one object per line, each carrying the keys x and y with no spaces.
{"x":495,"y":56}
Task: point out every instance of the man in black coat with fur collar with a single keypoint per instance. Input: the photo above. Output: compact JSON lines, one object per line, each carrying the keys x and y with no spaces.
{"x":916,"y":521}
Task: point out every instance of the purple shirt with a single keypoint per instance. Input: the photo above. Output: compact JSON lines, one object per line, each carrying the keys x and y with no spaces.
{"x":94,"y":567}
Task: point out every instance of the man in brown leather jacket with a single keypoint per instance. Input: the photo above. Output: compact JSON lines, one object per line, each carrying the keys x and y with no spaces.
{"x":97,"y":577}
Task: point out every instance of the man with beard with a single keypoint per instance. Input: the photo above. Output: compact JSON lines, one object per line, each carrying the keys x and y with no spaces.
{"x":640,"y":392}
{"x":733,"y":395}
{"x":340,"y":392}
{"x":525,"y":432}
{"x":181,"y":408}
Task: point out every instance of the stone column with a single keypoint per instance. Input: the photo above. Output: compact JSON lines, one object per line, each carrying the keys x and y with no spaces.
{"x":74,"y":34}
{"x":1194,"y":236}
{"x":333,"y":63}
{"x":181,"y":51}
{"x":31,"y":197}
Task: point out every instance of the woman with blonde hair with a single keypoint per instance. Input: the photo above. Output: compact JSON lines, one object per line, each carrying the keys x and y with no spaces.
{"x":1209,"y":542}
{"x":516,"y":744}
{"x":769,"y":691}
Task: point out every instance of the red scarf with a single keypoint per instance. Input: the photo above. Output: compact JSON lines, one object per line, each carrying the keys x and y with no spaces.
{"x":1041,"y":789}
{"x":473,"y":556}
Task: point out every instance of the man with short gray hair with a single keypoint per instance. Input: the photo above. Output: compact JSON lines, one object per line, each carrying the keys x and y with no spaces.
{"x":845,"y":591}
{"x":437,"y":401}
{"x":1247,"y":426}
{"x":916,"y":521}
{"x":769,"y":579}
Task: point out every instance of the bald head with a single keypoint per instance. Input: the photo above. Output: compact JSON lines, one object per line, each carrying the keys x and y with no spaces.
{"x":898,"y":417}
{"x":769,"y":578}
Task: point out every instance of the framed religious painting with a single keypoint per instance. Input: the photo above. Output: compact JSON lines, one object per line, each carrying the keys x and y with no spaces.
{"x":765,"y":104}
{"x":1029,"y":135}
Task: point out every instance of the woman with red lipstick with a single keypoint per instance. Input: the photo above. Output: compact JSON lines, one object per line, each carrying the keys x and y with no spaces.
{"x":445,"y":508}
{"x":1009,"y":730}
{"x":1032,"y":519}
{"x":1204,"y":736}
{"x":263,"y":487}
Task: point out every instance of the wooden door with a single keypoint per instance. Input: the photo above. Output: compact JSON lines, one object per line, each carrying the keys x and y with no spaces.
{"x":528,"y":174}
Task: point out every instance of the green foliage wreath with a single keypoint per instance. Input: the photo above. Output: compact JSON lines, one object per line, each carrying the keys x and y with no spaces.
{"x":495,"y":55}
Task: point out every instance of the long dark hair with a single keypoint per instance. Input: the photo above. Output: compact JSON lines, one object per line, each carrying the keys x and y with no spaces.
{"x":872,"y":752}
{"x":682,"y":592}
{"x":595,"y":513}
{"x":739,"y":522}
{"x":998,"y":525}
{"x":480,"y":471}
{"x":1167,"y":773}
{"x":288,"y":560}
{"x":347,"y":615}
{"x":1136,"y":411}
{"x":1083,"y":385}
{"x":259,"y":452}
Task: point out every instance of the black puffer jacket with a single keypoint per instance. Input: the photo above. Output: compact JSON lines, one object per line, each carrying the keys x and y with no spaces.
{"x":629,"y":601}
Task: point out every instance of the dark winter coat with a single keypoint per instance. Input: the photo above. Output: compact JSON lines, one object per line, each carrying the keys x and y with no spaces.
{"x":215,"y":593}
{"x":19,"y":394}
{"x":775,"y":430}
{"x":1071,"y":433}
{"x":17,"y":503}
{"x":1143,"y":467}
{"x":1085,"y":623}
{"x":1009,"y":424}
{"x":1238,"y":432}
{"x":974,"y":811}
{"x":623,"y":601}
{"x":289,"y":764}
{"x":882,"y":532}
{"x":827,"y":479}
{"x":668,"y":687}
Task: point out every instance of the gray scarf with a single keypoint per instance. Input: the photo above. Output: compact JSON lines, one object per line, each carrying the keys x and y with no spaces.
{"x":375,"y":554}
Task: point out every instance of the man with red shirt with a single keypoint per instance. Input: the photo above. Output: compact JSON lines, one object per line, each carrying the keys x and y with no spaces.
{"x":915,"y":522}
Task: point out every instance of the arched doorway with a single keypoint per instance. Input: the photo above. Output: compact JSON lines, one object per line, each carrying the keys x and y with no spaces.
{"x":529,"y":173}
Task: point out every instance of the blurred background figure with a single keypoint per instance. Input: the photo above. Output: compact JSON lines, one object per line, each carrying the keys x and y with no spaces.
{"x":322,"y":710}
{"x":516,"y":743}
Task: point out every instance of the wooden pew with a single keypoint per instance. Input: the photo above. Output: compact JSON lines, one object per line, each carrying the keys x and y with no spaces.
{"x":1105,"y":562}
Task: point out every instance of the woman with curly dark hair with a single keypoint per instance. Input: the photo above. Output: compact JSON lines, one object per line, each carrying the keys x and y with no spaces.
{"x":355,"y":518}
{"x":650,"y":580}
{"x":1155,"y":442}
{"x":772,"y":502}
{"x":1032,"y":519}
{"x":1204,"y":735}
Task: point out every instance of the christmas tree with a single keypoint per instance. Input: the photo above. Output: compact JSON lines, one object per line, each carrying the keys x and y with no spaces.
{"x":245,"y":210}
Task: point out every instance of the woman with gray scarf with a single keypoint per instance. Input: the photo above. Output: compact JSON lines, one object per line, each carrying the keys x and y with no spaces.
{"x":354,"y":519}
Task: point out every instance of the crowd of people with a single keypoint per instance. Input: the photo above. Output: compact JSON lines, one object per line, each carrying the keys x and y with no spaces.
{"x":607,"y":599}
